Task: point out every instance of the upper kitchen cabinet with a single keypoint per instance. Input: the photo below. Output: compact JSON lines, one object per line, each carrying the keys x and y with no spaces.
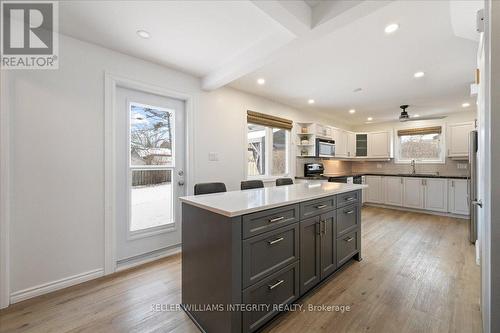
{"x":458,"y":139}
{"x":323,"y":131}
{"x":380,"y":144}
{"x":341,"y":142}
{"x":361,"y":144}
{"x":351,"y":144}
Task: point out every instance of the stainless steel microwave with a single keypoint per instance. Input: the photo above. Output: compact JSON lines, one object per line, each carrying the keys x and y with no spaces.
{"x":325,"y":148}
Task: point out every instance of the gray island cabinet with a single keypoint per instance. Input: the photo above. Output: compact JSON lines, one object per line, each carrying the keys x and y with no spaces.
{"x":245,"y":254}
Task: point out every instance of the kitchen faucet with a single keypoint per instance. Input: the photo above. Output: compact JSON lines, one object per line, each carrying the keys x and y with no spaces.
{"x":413,"y":171}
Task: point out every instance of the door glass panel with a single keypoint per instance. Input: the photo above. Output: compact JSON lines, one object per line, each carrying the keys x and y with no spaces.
{"x":151,"y":199}
{"x":151,"y":135}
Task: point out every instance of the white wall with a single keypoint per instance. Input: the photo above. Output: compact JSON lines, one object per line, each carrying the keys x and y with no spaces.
{"x":57,"y":162}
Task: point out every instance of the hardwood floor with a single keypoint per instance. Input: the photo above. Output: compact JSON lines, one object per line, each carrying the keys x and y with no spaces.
{"x":418,"y":274}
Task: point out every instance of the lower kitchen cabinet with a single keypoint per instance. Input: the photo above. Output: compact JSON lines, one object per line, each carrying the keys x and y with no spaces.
{"x":436,"y":194}
{"x":375,"y":190}
{"x":317,"y":249}
{"x":310,"y":253}
{"x":393,"y":191}
{"x":413,"y":192}
{"x":458,"y":196}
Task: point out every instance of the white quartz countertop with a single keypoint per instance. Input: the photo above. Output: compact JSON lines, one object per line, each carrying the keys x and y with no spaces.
{"x":236,"y":203}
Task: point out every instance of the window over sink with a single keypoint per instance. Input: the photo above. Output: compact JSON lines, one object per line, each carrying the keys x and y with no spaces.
{"x":424,"y":145}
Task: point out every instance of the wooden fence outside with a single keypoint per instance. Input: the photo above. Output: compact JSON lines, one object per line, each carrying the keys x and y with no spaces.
{"x":151,"y":177}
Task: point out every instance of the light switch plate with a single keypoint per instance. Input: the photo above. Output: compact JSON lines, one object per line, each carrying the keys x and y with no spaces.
{"x":461,"y":165}
{"x":379,"y":165}
{"x":213,"y":156}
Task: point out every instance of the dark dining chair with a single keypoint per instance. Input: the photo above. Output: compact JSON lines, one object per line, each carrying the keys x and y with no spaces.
{"x":207,"y":188}
{"x":249,"y":184}
{"x":284,"y":181}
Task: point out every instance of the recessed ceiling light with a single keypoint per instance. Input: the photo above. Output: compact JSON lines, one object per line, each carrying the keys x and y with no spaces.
{"x":391,"y":28}
{"x":369,"y":118}
{"x":311,"y":101}
{"x":357,"y":90}
{"x":419,"y":74}
{"x":351,"y":111}
{"x":261,"y":81}
{"x":143,"y":34}
{"x":465,"y":105}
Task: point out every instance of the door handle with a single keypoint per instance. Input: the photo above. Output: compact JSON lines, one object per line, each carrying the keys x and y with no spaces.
{"x":275,"y":241}
{"x":349,"y":212}
{"x":349,"y":239}
{"x":272,"y":286}
{"x":320,"y":206}
{"x":276,"y":219}
{"x":478,"y":203}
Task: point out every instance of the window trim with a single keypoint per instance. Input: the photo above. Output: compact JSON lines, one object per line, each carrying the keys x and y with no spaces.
{"x":441,"y":160}
{"x":269,"y":147}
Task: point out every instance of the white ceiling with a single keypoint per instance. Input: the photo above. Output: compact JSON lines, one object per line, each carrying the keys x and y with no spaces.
{"x":194,"y":36}
{"x":361,"y":55}
{"x":313,"y":49}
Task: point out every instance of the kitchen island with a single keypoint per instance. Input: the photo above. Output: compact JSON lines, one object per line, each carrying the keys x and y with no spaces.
{"x":246,"y":254}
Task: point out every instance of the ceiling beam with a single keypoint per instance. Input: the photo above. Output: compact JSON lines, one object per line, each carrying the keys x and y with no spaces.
{"x":303,"y":24}
{"x":293,"y":15}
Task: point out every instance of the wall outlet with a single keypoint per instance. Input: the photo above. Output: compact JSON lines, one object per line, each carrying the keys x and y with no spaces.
{"x":213,"y":156}
{"x":379,"y":165}
{"x":461,"y":165}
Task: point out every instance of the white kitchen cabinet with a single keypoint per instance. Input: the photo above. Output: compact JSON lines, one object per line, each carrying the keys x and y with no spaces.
{"x":393,"y":191}
{"x":340,"y":137}
{"x":458,"y":196}
{"x":323,"y":131}
{"x":375,"y":190}
{"x":379,"y":144}
{"x":413,"y":192}
{"x":351,"y":144}
{"x":436,"y":194}
{"x":458,"y":139}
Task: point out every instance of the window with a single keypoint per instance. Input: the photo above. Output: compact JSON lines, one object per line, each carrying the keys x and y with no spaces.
{"x":151,"y":146}
{"x":424,"y":145}
{"x":267,"y":151}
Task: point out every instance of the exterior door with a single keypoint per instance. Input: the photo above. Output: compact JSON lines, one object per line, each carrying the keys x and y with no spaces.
{"x":150,"y":148}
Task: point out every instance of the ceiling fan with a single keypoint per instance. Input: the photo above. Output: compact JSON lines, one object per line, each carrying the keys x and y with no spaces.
{"x":404,"y":116}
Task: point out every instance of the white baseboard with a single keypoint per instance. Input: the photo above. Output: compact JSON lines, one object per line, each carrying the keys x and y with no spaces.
{"x":45,"y":288}
{"x":424,"y":211}
{"x":148,"y":258}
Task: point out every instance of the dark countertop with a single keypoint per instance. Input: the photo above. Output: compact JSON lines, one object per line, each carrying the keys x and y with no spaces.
{"x":387,"y":174}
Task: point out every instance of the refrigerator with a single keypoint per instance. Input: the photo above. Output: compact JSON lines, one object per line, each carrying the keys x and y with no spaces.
{"x":472,"y":192}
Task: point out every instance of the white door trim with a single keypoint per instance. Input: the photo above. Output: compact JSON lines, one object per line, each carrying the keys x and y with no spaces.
{"x":4,"y":191}
{"x":111,"y":82}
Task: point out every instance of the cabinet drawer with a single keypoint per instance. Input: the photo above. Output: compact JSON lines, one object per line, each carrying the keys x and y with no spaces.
{"x":348,"y":198}
{"x":347,"y":246}
{"x":260,"y":222}
{"x":279,"y":288}
{"x":269,"y":252}
{"x":317,"y":206}
{"x":348,"y":218}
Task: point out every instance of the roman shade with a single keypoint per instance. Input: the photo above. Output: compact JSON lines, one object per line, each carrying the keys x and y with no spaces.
{"x":267,"y":120}
{"x":420,"y":131}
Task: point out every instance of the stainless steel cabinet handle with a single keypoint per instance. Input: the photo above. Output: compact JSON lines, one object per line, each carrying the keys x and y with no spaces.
{"x":320,"y":206}
{"x":349,"y":239}
{"x":452,"y":183}
{"x":323,"y":229}
{"x":276,"y":219}
{"x":348,"y":212}
{"x":350,"y":199}
{"x":272,"y":286}
{"x":275,"y":241}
